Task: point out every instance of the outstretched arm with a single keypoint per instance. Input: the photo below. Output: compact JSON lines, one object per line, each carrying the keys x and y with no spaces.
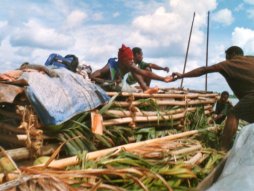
{"x":156,"y":67}
{"x":50,"y":72}
{"x":140,"y":81}
{"x":149,"y":74}
{"x":197,"y":72}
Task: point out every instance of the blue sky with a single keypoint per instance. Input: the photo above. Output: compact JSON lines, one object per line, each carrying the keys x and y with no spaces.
{"x":94,"y":30}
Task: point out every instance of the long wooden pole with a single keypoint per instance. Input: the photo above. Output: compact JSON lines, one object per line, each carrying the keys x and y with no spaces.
{"x":118,"y":121}
{"x":186,"y":55}
{"x":167,"y":102}
{"x":207,"y":43}
{"x":182,"y":95}
{"x":62,"y":163}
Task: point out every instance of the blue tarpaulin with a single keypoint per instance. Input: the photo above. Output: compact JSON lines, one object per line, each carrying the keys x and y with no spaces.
{"x":56,"y":100}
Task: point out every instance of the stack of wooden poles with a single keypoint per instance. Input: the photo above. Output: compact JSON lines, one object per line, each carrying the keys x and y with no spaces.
{"x":170,"y":107}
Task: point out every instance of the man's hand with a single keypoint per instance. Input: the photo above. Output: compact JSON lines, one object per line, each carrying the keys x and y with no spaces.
{"x":168,"y":79}
{"x":176,"y":76}
{"x":166,"y":69}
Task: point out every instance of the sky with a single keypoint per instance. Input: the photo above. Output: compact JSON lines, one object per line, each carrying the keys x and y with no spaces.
{"x":94,"y":30}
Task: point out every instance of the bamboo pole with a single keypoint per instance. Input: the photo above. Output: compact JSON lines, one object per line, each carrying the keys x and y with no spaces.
{"x":187,"y":51}
{"x":142,"y":119}
{"x":165,"y":124}
{"x":207,"y":44}
{"x":186,"y":150}
{"x":161,"y":102}
{"x":9,"y":139}
{"x":11,"y":128}
{"x":12,"y":115}
{"x":147,"y":118}
{"x":24,"y":153}
{"x":125,"y":113}
{"x":165,"y":95}
{"x":62,"y":163}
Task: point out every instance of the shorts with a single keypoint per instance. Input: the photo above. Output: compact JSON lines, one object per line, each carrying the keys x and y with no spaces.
{"x":244,"y":109}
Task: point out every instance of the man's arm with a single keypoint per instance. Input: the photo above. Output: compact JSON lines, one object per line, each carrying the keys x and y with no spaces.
{"x":156,"y":67}
{"x":50,"y":72}
{"x":198,"y":72}
{"x":97,"y":76}
{"x":140,"y":81}
{"x":148,"y":74}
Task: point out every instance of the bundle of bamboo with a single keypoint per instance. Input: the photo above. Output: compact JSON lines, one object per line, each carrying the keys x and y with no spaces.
{"x":155,"y":139}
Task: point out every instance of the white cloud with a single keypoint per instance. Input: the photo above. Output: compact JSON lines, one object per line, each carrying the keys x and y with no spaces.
{"x":186,"y":8}
{"x":223,"y":16}
{"x":9,"y":56}
{"x":170,"y":28}
{"x":250,"y":13}
{"x":33,"y":34}
{"x":244,"y":38}
{"x":75,"y":18}
{"x":239,"y":7}
{"x":3,"y":24}
{"x":249,"y":1}
{"x":97,"y":16}
{"x":116,"y":14}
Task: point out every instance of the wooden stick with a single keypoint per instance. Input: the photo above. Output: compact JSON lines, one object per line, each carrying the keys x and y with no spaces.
{"x":176,"y":123}
{"x":11,"y":128}
{"x":11,"y":140}
{"x":142,"y":119}
{"x":97,"y":126}
{"x":172,"y":103}
{"x":186,"y":150}
{"x":23,"y":153}
{"x":166,"y":95}
{"x":62,"y":163}
{"x":187,"y":51}
{"x":147,"y":118}
{"x":125,"y":113}
{"x":22,"y":137}
{"x":10,"y":114}
{"x":207,"y":43}
{"x":195,"y":159}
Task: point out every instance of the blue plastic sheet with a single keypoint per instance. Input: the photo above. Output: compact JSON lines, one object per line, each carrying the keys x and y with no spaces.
{"x":56,"y":100}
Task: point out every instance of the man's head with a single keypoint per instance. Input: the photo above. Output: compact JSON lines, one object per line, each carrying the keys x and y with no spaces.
{"x":125,"y":55}
{"x":233,"y":51}
{"x":138,"y":54}
{"x":224,"y":96}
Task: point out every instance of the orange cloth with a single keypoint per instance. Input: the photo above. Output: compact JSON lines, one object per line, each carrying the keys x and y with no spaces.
{"x":125,"y":52}
{"x":11,"y":75}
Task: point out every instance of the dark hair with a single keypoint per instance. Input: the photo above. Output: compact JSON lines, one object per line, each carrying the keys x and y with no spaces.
{"x":225,"y":93}
{"x":233,"y":51}
{"x":136,"y":50}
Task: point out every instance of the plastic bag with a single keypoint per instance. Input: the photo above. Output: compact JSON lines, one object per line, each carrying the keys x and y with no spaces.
{"x":126,"y":87}
{"x":238,"y":173}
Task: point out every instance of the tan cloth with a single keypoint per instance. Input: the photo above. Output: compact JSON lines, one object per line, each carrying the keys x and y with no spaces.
{"x":11,"y":75}
{"x":239,"y":73}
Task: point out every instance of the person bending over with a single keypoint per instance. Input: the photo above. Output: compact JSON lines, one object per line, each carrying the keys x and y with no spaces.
{"x":115,"y":70}
{"x":138,"y":61}
{"x":238,"y":70}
